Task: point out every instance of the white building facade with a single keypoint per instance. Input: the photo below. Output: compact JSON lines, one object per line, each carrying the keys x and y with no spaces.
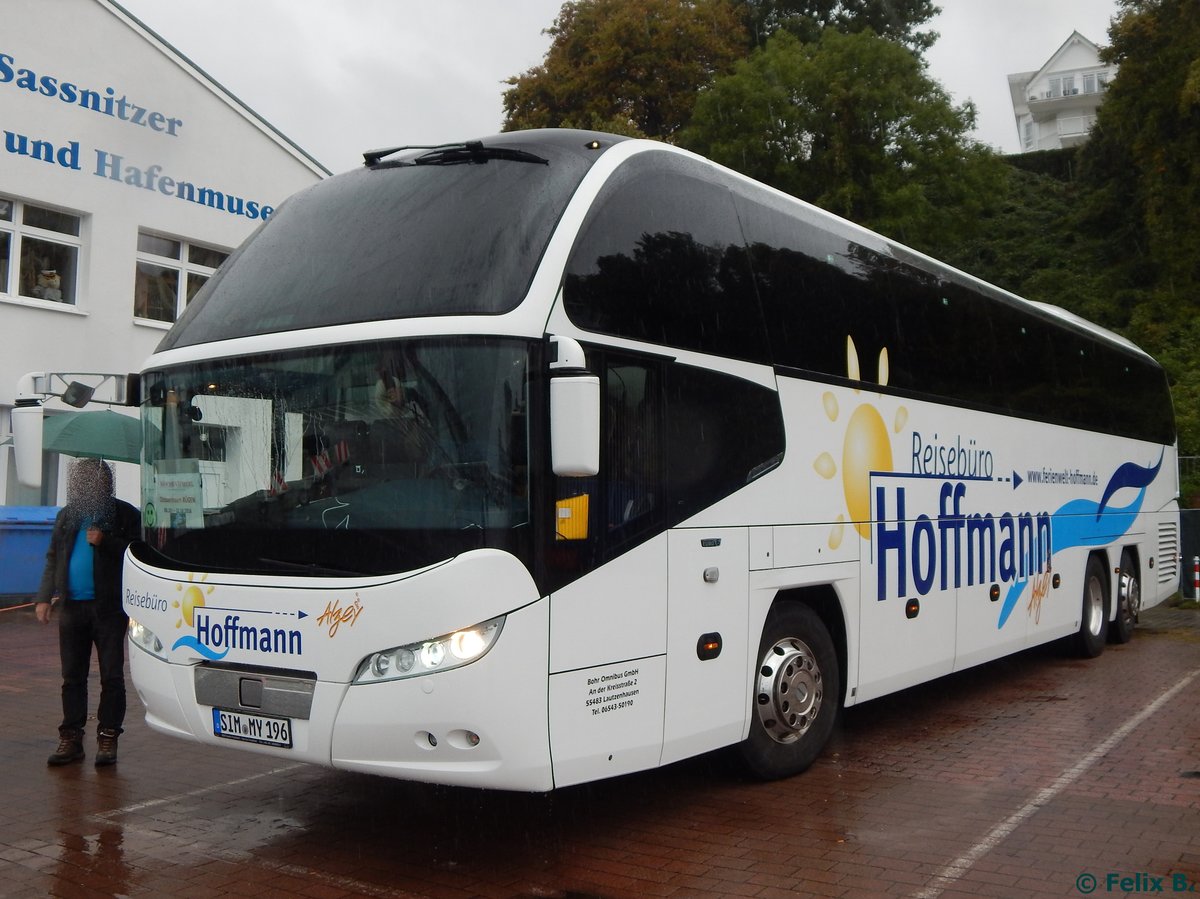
{"x":1055,"y":106}
{"x":127,"y":176}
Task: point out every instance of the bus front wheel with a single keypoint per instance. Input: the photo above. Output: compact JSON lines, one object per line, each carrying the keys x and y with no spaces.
{"x":1093,"y":627}
{"x":796,"y":694}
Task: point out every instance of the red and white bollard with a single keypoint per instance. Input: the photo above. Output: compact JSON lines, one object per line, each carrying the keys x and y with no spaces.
{"x":1196,"y":578}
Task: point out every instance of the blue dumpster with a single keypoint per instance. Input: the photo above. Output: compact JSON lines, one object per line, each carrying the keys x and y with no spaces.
{"x":24,"y":538}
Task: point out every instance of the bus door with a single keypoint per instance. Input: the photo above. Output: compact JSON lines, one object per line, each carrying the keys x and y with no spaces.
{"x":608,"y":616}
{"x":1005,"y":576}
{"x":909,"y":600}
{"x":707,"y":595}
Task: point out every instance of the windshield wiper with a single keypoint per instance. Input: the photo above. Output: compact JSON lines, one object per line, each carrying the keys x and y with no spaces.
{"x":472,"y":151}
{"x":308,"y":567}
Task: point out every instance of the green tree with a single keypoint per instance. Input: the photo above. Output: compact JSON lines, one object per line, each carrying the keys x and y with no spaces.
{"x":896,"y":20}
{"x":1142,"y":164}
{"x":627,"y":66}
{"x":1029,"y":242}
{"x":1140,"y":172}
{"x":853,"y":124}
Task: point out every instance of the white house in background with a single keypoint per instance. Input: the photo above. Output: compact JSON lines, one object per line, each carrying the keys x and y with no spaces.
{"x":126,"y":176}
{"x":1055,"y":106}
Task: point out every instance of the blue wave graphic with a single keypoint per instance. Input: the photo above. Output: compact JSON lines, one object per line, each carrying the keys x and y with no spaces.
{"x":1083,"y":522}
{"x":1129,"y":475}
{"x":192,"y":643}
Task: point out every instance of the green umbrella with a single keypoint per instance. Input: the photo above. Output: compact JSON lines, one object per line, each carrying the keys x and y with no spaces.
{"x":97,"y":435}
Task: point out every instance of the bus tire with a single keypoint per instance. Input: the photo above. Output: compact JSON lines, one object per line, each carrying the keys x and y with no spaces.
{"x":1129,"y":601}
{"x":1093,"y":624}
{"x":796,"y":692}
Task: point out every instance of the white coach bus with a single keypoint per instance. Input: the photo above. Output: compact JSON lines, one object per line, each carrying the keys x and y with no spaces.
{"x":554,"y":456}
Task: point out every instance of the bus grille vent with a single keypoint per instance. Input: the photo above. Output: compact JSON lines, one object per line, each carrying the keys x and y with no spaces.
{"x":1168,"y":552}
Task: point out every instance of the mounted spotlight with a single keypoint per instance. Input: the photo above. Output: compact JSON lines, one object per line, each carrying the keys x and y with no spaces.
{"x":77,"y":394}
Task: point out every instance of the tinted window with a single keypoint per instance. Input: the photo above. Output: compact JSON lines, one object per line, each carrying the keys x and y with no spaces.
{"x":816,"y":287}
{"x":661,"y":259}
{"x":393,"y":241}
{"x":946,"y":336}
{"x":1145,"y":408}
{"x":942,"y":338}
{"x":673,"y":442}
{"x":1022,"y":374}
{"x":721,"y":433}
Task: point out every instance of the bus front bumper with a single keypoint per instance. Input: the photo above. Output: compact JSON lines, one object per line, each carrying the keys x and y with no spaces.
{"x":481,"y":725}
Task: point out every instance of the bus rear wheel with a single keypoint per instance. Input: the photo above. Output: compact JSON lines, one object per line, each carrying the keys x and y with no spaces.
{"x":796,"y":693}
{"x":1129,"y":601}
{"x":1093,"y":626}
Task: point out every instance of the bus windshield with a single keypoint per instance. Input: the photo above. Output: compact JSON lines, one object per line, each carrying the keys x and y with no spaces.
{"x":396,"y":240}
{"x":363,"y":459}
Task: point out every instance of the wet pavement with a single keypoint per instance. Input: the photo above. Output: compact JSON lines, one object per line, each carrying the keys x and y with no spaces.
{"x":1039,"y":775}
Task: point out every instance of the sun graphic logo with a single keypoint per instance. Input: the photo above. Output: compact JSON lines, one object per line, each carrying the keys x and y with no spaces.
{"x":866,"y":447}
{"x":192,"y":598}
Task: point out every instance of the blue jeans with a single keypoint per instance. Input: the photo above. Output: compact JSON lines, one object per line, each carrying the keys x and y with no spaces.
{"x":81,"y":625}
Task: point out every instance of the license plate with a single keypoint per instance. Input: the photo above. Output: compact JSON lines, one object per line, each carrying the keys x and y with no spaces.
{"x":252,"y":728}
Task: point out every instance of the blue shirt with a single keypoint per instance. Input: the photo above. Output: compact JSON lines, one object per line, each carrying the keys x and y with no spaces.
{"x":81,"y":579}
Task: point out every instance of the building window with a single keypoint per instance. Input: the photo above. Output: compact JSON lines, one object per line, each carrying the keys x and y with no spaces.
{"x":1089,"y":84}
{"x":1028,"y":135}
{"x":170,"y":269}
{"x":1070,"y":126}
{"x":1055,"y":88}
{"x":40,"y":246}
{"x":1069,"y":86}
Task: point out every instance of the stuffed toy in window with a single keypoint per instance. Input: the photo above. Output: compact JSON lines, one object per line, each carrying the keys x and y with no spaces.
{"x":49,"y":286}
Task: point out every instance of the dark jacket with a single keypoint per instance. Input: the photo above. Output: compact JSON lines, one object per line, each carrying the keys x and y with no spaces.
{"x":109,"y":555}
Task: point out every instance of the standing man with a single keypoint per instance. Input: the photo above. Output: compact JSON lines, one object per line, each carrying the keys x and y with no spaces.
{"x":83,"y":578}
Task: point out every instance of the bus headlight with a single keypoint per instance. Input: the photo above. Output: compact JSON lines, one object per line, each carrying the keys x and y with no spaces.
{"x":439,"y":654}
{"x":144,"y":638}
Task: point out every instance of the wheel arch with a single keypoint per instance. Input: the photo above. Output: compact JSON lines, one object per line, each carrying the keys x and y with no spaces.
{"x":1134,"y":551}
{"x":824,"y":600}
{"x":1126,"y":600}
{"x":1105,"y":555}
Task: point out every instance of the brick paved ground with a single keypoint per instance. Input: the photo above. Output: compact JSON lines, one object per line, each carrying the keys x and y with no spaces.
{"x":1010,"y":780}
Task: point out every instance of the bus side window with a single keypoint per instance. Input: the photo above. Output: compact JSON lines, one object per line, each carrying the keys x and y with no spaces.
{"x":673,"y":441}
{"x":630,"y":444}
{"x":623,"y":505}
{"x":721,"y":433}
{"x":662,"y":259}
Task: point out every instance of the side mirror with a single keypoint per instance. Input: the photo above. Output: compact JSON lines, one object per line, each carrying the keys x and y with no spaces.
{"x":574,"y":412}
{"x":575,"y":425}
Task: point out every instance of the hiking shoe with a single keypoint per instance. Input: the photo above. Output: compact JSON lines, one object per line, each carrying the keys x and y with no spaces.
{"x":106,"y":747}
{"x":70,"y":748}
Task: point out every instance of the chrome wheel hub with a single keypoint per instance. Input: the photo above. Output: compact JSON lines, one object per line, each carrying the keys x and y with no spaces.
{"x":1131,"y":597}
{"x":789,"y":690}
